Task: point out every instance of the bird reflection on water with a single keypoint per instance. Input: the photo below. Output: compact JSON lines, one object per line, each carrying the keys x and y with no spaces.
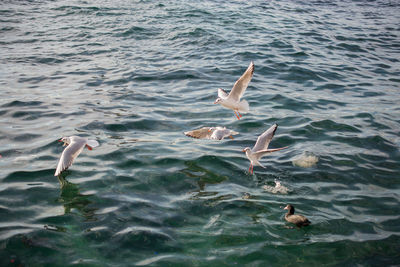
{"x":72,"y":199}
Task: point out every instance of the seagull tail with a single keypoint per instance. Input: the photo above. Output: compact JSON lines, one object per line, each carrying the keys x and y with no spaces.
{"x":92,"y":143}
{"x":244,"y":106}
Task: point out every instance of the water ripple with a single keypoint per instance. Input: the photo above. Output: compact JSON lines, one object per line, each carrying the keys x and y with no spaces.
{"x":136,"y":75}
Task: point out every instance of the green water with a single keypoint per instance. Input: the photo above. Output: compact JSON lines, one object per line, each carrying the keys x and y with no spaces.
{"x":135,"y":75}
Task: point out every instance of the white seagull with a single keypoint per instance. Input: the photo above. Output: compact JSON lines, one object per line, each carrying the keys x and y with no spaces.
{"x":75,"y":145}
{"x":232,"y":100}
{"x":261,"y":147}
{"x":216,"y":133}
{"x":219,"y":133}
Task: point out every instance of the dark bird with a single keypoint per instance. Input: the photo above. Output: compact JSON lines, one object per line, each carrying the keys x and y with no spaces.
{"x":297,"y":219}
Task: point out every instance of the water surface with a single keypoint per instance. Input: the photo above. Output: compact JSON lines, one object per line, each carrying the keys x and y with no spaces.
{"x":135,"y":75}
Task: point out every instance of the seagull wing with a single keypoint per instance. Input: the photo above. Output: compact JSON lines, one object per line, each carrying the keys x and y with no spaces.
{"x":264,"y":139}
{"x":202,"y":133}
{"x":69,"y":154}
{"x":90,"y":144}
{"x":241,"y":84}
{"x":261,"y":153}
{"x":222,"y":94}
{"x":233,"y":132}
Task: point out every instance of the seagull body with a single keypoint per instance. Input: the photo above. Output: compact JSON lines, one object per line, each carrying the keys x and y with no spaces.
{"x":75,"y":145}
{"x":219,"y":133}
{"x":216,"y":133}
{"x":232,"y":100}
{"x":261,"y":147}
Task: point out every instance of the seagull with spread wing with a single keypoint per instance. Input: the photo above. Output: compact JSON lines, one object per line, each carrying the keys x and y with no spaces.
{"x":232,"y":100}
{"x":75,"y":145}
{"x":216,"y":133}
{"x":261,"y":147}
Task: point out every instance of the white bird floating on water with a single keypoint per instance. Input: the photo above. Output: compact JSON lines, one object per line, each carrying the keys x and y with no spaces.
{"x":261,"y":147}
{"x":219,"y":133}
{"x":232,"y":100}
{"x":216,"y":133}
{"x":75,"y":145}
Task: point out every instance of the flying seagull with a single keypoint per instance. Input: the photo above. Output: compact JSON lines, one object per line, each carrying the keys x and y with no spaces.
{"x":75,"y":145}
{"x":232,"y":100}
{"x":217,"y":133}
{"x":261,"y":147}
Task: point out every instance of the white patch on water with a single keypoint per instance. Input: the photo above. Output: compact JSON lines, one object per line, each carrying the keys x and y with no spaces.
{"x":152,"y":260}
{"x":212,"y":221}
{"x":23,"y":159}
{"x":277,"y":189}
{"x":305,"y":160}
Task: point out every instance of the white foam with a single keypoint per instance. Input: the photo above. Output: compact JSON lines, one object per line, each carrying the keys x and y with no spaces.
{"x":277,"y":189}
{"x":305,"y":160}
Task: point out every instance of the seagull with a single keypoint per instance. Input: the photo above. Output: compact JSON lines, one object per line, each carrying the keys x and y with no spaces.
{"x":219,"y":133}
{"x":261,"y":147}
{"x":75,"y":145}
{"x":232,"y":100}
{"x":216,"y":133}
{"x":297,"y":219}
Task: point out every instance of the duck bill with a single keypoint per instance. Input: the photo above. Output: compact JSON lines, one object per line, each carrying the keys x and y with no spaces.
{"x":286,"y":208}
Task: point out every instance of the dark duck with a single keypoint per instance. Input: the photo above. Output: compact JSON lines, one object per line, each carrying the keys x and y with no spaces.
{"x":297,"y":219}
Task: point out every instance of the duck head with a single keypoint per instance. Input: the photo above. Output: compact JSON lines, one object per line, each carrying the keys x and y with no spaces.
{"x":290,"y":209}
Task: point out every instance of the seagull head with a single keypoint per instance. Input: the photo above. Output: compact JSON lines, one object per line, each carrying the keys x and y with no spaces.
{"x":247,"y":149}
{"x":218,"y":100}
{"x":65,"y":140}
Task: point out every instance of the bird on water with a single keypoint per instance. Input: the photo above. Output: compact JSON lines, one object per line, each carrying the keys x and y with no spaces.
{"x":297,"y":219}
{"x":216,"y":133}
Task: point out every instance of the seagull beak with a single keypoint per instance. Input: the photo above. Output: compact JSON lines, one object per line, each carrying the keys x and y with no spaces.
{"x":244,"y":150}
{"x":285,"y":208}
{"x":215,"y":102}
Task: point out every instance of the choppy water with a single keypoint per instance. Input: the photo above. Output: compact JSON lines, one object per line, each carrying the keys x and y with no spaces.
{"x":135,"y":74}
